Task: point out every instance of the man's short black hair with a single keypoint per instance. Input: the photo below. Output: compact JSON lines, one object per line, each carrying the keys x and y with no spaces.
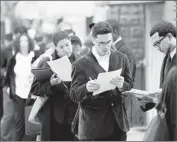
{"x":101,"y":28}
{"x":163,"y":28}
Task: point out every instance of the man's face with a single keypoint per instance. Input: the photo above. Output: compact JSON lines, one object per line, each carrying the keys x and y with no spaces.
{"x":64,"y":48}
{"x":103,"y":43}
{"x":161,"y":43}
{"x":76,"y":48}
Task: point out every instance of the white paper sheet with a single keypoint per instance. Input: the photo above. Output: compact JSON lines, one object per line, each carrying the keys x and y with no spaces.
{"x":104,"y":81}
{"x":142,"y":93}
{"x":62,"y":67}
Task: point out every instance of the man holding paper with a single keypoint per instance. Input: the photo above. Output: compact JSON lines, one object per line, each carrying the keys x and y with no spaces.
{"x":163,"y":35}
{"x":59,"y":110}
{"x":102,"y":116}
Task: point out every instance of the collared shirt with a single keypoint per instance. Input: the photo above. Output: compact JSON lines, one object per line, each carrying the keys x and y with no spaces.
{"x":102,"y":60}
{"x":172,"y":53}
{"x":118,"y":39}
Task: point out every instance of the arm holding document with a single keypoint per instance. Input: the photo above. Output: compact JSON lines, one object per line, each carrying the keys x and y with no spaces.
{"x":46,"y":87}
{"x":146,"y":105}
{"x":147,"y":100}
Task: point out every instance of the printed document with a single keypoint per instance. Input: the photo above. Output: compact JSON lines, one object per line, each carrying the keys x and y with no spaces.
{"x":62,"y":67}
{"x":104,"y":81}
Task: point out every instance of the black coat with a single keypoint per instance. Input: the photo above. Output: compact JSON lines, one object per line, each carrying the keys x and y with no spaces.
{"x":151,"y":105}
{"x":170,"y":91}
{"x":98,"y":114}
{"x":122,"y":47}
{"x":59,"y":106}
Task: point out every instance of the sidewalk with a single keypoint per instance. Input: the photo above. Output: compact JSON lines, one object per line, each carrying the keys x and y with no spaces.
{"x":136,"y":134}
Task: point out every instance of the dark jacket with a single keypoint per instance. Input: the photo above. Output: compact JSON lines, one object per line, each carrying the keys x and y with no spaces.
{"x":170,"y":91}
{"x":122,"y":47}
{"x":98,"y":114}
{"x":59,"y":104}
{"x":151,"y":105}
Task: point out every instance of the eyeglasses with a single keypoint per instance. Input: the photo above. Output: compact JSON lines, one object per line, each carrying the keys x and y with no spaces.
{"x":158,"y":42}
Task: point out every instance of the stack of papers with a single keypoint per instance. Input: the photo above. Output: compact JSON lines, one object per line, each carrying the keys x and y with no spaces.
{"x":62,"y":67}
{"x":104,"y":81}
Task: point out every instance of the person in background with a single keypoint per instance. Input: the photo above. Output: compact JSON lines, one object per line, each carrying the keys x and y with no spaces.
{"x":163,"y":36}
{"x":58,"y":112}
{"x":121,"y":46}
{"x":101,"y":117}
{"x":39,"y":41}
{"x":3,"y":62}
{"x":76,"y":45}
{"x":87,"y":44}
{"x":70,"y":32}
{"x":7,"y":121}
{"x":18,"y":80}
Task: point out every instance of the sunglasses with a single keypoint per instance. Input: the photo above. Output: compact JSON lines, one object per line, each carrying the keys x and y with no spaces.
{"x":158,"y":42}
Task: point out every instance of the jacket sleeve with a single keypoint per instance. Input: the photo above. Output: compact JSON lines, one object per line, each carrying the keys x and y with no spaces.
{"x":128,"y":81}
{"x":44,"y":88}
{"x":78,"y":91}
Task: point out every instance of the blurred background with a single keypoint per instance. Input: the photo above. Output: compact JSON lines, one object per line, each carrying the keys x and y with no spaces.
{"x":136,"y":19}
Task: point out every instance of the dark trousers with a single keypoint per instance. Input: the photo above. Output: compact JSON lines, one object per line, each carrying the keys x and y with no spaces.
{"x":117,"y":135}
{"x":19,"y":117}
{"x":52,"y":130}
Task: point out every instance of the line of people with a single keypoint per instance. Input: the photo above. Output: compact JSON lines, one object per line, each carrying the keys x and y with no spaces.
{"x":71,"y":104}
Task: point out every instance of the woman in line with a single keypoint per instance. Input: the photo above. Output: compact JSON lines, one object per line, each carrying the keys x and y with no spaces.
{"x":59,"y":110}
{"x":19,"y":79}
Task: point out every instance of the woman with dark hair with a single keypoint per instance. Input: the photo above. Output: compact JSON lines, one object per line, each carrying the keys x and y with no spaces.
{"x":19,"y":79}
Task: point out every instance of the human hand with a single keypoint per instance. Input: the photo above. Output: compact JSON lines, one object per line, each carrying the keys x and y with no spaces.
{"x":55,"y":80}
{"x":118,"y":81}
{"x":92,"y":85}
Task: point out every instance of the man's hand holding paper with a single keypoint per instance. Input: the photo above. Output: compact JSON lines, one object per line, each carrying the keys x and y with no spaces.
{"x":118,"y":81}
{"x":92,"y":85}
{"x":108,"y":81}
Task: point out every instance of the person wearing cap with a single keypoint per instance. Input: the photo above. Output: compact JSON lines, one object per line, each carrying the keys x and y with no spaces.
{"x":76,"y":45}
{"x":58,"y":112}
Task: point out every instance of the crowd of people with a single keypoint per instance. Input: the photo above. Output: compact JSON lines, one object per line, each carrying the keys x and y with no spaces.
{"x":72,"y":112}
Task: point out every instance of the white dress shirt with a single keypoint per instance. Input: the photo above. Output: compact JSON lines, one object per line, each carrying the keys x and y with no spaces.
{"x":102,"y":60}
